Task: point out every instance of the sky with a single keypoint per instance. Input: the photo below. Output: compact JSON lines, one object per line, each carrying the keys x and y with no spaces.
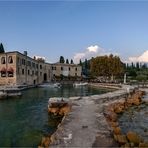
{"x":76,"y":29}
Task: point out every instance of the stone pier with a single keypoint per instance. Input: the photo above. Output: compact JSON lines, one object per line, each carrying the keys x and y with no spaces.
{"x":86,"y":125}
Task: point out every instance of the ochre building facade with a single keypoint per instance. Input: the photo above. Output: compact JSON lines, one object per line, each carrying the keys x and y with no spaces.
{"x":20,"y":69}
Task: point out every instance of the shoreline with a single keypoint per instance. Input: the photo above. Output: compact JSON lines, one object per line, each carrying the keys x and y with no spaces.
{"x":85,"y":125}
{"x":112,"y":112}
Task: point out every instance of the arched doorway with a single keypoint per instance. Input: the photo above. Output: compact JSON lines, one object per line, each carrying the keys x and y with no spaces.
{"x":45,"y":77}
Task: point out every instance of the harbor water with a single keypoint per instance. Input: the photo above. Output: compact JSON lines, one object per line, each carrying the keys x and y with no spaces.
{"x":24,"y":121}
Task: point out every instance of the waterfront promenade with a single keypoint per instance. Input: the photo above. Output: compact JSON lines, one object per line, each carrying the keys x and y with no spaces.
{"x":85,"y":125}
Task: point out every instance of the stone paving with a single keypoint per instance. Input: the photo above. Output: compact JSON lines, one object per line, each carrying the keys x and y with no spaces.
{"x":85,"y":125}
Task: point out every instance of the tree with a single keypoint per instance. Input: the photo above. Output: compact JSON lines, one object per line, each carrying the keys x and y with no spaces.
{"x":132,"y":65}
{"x":132,"y":73}
{"x":67,"y":62}
{"x":86,"y":64}
{"x":2,"y":48}
{"x":80,"y":63}
{"x":86,"y":67}
{"x":137,"y":65}
{"x":62,"y":59}
{"x":71,"y":62}
{"x":144,"y":66}
{"x":106,"y":66}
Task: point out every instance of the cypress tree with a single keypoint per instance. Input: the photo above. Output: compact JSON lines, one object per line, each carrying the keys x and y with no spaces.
{"x":80,"y":63}
{"x":67,"y":62}
{"x":71,"y":62}
{"x":62,"y":59}
{"x":2,"y":48}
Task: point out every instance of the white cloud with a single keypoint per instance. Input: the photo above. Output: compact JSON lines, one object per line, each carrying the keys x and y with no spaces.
{"x":89,"y":52}
{"x":142,"y":58}
{"x":93,"y":48}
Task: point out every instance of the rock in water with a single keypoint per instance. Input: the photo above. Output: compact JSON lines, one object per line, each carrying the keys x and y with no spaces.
{"x":117,"y":130}
{"x":121,"y":139}
{"x":133,"y":137}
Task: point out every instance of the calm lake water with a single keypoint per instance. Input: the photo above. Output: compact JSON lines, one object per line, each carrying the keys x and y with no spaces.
{"x":23,"y":121}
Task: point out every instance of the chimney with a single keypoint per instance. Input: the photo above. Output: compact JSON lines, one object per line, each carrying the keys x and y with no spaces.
{"x":25,"y":53}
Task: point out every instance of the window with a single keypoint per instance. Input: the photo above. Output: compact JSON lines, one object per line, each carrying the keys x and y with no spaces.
{"x":36,"y":73}
{"x":28,"y":72}
{"x":3,"y":61}
{"x":40,"y":73}
{"x":23,"y":72}
{"x":54,"y":68}
{"x":28,"y":63}
{"x":10,"y":60}
{"x":69,"y":68}
{"x":76,"y":68}
{"x":40,"y":66}
{"x":33,"y":65}
{"x":3,"y":72}
{"x":23,"y":62}
{"x":37,"y":66}
{"x":61,"y":68}
{"x":10,"y":74}
{"x":18,"y":71}
{"x":75,"y":74}
{"x":33,"y":73}
{"x":18,"y":60}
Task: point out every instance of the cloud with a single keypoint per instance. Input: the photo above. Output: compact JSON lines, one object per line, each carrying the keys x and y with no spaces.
{"x":89,"y":52}
{"x":93,"y":48}
{"x":142,"y":58}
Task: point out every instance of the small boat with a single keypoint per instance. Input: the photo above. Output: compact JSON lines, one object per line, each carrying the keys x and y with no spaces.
{"x":57,"y":85}
{"x":80,"y":84}
{"x":51,"y":85}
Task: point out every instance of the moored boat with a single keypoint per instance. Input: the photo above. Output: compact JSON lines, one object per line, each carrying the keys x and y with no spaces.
{"x":50,"y":85}
{"x":80,"y":84}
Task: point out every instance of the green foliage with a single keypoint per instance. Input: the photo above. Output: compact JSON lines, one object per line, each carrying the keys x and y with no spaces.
{"x":80,"y":63}
{"x":62,"y":59}
{"x":67,"y":62}
{"x":106,"y":66}
{"x":71,"y":62}
{"x":2,"y":48}
{"x":86,"y":64}
{"x":132,"y":73}
{"x":141,"y":78}
{"x":137,"y":65}
{"x":138,"y":71}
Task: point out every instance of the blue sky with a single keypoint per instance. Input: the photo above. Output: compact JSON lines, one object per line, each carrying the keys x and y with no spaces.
{"x":52,"y":29}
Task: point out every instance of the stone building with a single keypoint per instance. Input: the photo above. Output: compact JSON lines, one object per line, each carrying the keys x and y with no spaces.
{"x":19,"y":69}
{"x":63,"y":71}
